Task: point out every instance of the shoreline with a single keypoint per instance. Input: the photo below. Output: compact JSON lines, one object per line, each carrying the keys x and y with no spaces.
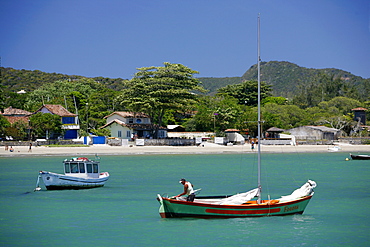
{"x":209,"y":148}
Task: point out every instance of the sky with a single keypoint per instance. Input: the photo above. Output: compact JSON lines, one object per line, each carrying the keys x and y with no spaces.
{"x":217,"y":38}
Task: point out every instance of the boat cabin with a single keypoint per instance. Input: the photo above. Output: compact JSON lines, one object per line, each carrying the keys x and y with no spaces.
{"x":81,"y":167}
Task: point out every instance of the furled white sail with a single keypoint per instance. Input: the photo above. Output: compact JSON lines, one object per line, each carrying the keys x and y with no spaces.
{"x":240,"y":198}
{"x":305,"y":190}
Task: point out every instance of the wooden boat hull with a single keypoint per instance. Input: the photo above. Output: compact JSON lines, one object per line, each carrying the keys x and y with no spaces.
{"x":55,"y":181}
{"x":172,"y":208}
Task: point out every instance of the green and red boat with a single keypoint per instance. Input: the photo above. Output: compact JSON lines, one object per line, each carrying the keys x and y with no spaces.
{"x":248,"y":204}
{"x":238,"y":205}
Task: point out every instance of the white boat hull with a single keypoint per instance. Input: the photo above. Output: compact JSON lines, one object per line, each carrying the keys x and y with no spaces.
{"x":55,"y":181}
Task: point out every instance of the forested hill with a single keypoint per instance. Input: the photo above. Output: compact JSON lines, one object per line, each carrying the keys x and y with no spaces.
{"x":15,"y":80}
{"x":284,"y":77}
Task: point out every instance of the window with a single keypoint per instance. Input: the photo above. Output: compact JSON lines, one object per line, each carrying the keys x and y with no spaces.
{"x":96,"y":170}
{"x":119,"y":133}
{"x":67,"y":168}
{"x":89,"y":168}
{"x":82,"y":167}
{"x":128,"y":134}
{"x":74,"y":168}
{"x":130,"y":120}
{"x":68,"y":120}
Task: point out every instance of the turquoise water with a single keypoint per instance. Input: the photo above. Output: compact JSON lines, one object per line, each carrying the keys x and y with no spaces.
{"x":125,"y":211}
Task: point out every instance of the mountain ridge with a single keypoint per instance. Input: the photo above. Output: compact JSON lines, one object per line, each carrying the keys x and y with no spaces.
{"x":284,"y":78}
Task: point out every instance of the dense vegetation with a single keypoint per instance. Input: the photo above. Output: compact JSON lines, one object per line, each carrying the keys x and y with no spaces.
{"x":287,"y":79}
{"x":160,"y":90}
{"x":292,"y":96}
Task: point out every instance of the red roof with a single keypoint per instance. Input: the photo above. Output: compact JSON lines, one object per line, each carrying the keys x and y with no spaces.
{"x":12,"y":119}
{"x":14,"y":111}
{"x":57,"y":110}
{"x":359,"y":109}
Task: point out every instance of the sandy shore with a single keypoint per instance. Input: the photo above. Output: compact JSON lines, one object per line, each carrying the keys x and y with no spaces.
{"x":208,"y":148}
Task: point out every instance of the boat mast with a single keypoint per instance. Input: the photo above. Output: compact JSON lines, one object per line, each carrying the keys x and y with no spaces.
{"x":259,"y":110}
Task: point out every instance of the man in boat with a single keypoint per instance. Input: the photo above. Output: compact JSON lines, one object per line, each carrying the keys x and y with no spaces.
{"x":188,"y":190}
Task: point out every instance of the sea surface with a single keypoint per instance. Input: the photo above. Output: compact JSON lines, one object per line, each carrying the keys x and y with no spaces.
{"x":125,"y":211}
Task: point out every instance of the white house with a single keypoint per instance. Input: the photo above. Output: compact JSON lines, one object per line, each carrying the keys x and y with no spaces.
{"x":316,"y":132}
{"x":69,"y":120}
{"x":129,"y":125}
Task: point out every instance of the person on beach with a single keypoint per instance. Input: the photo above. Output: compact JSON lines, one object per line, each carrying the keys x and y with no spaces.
{"x":30,"y":148}
{"x":188,"y":190}
{"x":11,"y":149}
{"x":252,"y":145}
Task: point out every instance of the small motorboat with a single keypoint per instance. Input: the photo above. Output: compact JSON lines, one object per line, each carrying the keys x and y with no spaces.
{"x":79,"y":173}
{"x":334,"y":149}
{"x":360,"y":157}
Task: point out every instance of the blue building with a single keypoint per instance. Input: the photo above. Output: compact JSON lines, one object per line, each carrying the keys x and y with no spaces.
{"x":69,"y":120}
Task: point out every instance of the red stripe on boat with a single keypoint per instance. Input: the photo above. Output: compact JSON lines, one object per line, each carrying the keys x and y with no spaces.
{"x":267,"y":211}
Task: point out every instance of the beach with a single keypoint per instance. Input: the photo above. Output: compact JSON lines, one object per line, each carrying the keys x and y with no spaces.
{"x":206,"y":148}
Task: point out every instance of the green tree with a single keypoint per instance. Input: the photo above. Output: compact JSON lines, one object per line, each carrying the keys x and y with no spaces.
{"x":246,"y":92}
{"x":99,"y":105}
{"x":323,"y":87}
{"x":309,"y":95}
{"x":364,"y":91}
{"x":313,"y":115}
{"x":4,"y":124}
{"x":157,"y":90}
{"x":215,"y":114}
{"x":87,"y":98}
{"x":342,"y":104}
{"x":283,"y":116}
{"x":18,"y":130}
{"x":276,"y":100}
{"x":70,"y":94}
{"x":16,"y":100}
{"x":45,"y":125}
{"x":101,"y":132}
{"x":2,"y":99}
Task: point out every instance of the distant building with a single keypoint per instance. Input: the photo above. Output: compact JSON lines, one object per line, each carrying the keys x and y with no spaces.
{"x":131,"y":125}
{"x":69,"y":120}
{"x":360,"y":115}
{"x":175,"y":128}
{"x":273,"y":132}
{"x":16,"y":115}
{"x":315,"y":132}
{"x":234,"y":136}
